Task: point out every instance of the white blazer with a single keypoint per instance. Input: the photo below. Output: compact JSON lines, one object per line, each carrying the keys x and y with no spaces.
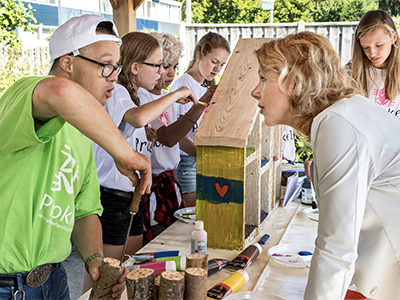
{"x":356,"y":175}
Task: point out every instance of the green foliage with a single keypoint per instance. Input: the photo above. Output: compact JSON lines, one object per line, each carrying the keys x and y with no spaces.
{"x":391,"y":6}
{"x":343,"y":10}
{"x":303,"y":149}
{"x":227,"y":11}
{"x":14,"y":14}
{"x":286,"y":11}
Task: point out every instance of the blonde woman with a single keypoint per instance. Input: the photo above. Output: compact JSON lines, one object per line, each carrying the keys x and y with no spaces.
{"x":355,"y":169}
{"x":375,"y":64}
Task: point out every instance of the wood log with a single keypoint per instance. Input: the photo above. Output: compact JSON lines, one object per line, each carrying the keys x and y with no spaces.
{"x":195,"y":284}
{"x":197,"y":261}
{"x":140,"y":284}
{"x":157,"y":285}
{"x":172,"y":286}
{"x":110,"y":272}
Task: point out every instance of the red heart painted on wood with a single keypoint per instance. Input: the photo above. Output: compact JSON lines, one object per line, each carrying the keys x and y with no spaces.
{"x":221,"y":190}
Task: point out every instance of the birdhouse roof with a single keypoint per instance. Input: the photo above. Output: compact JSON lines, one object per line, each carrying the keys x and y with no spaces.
{"x":232,"y":110}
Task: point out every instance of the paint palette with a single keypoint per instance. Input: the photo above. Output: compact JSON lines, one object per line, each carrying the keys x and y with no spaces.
{"x":187,"y":214}
{"x":288,"y":255}
{"x":313,"y":214}
{"x":251,"y":295}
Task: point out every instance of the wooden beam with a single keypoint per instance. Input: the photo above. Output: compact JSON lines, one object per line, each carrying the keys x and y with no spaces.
{"x":137,"y":3}
{"x":124,"y":15}
{"x":114,"y":4}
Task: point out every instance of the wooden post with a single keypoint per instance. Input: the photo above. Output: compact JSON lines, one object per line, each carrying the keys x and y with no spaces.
{"x":197,"y":261}
{"x":110,"y":272}
{"x":195,"y":284}
{"x":172,"y":286}
{"x":140,"y":284}
{"x":124,"y":15}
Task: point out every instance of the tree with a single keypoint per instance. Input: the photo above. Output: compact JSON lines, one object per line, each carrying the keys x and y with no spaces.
{"x":14,"y":14}
{"x":342,"y":10}
{"x":286,"y":11}
{"x":391,"y":6}
{"x":227,"y":11}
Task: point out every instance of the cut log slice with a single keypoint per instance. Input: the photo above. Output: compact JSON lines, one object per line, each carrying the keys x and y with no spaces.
{"x":197,"y":261}
{"x":172,"y":285}
{"x":195,"y":284}
{"x":110,"y":272}
{"x":140,"y":284}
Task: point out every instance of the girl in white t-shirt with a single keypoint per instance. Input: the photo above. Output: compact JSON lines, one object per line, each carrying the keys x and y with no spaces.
{"x":166,"y":193}
{"x":141,"y":58}
{"x":375,"y":64}
{"x":210,"y":55}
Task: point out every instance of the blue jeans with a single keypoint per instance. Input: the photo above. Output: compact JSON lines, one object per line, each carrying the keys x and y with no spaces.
{"x":55,"y":288}
{"x":186,"y":172}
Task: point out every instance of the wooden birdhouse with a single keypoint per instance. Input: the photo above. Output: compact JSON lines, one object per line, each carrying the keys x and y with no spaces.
{"x":238,"y":157}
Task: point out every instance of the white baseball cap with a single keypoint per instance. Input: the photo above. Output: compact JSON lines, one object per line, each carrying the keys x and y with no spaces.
{"x":77,"y":33}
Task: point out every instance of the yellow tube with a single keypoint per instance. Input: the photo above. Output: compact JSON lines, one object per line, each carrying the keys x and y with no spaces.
{"x":228,"y":286}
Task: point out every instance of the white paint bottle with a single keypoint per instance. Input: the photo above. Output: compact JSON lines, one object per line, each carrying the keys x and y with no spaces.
{"x":199,"y":239}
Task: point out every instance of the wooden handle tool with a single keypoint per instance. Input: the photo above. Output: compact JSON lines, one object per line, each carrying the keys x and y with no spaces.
{"x":134,"y":208}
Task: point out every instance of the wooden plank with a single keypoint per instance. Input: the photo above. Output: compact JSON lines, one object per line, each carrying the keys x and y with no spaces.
{"x":347,"y":44}
{"x":137,"y":3}
{"x":334,"y":36}
{"x":228,"y":119}
{"x":220,"y":195}
{"x":124,"y":17}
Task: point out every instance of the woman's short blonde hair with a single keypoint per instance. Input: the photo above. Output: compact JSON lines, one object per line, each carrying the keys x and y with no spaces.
{"x":171,"y":46}
{"x":310,"y":73}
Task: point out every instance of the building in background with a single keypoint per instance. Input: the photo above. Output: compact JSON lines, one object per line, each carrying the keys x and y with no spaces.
{"x":159,"y":15}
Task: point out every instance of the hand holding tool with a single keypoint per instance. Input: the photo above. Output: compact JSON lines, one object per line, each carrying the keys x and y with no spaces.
{"x":133,"y":209}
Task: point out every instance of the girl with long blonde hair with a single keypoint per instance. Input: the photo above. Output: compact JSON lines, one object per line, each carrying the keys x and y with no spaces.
{"x":375,"y":64}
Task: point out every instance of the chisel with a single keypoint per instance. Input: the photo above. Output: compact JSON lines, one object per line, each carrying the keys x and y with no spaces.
{"x":133,"y":209}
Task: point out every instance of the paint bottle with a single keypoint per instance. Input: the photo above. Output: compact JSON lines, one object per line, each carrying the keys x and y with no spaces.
{"x":199,"y":239}
{"x":180,"y":261}
{"x":306,"y":192}
{"x":244,"y":259}
{"x":214,"y":265}
{"x":158,"y":267}
{"x":228,"y":286}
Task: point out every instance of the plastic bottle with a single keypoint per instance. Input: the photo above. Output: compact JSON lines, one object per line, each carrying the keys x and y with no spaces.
{"x":306,"y":192}
{"x":229,"y":285}
{"x":199,"y":239}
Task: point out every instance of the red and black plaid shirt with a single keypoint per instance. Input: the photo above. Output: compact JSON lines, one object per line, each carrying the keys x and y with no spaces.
{"x":167,"y":201}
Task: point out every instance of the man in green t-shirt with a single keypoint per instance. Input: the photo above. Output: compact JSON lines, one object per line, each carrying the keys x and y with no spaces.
{"x":48,"y":182}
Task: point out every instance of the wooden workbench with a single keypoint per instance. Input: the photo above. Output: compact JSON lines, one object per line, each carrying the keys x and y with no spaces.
{"x":287,"y":226}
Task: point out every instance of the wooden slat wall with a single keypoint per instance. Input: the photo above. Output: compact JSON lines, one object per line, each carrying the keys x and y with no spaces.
{"x":341,"y":34}
{"x":228,"y":119}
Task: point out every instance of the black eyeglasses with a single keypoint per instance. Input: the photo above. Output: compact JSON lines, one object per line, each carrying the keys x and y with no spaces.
{"x":107,"y":70}
{"x":159,"y":66}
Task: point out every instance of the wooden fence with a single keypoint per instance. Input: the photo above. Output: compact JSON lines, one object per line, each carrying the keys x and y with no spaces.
{"x":34,"y":61}
{"x":340,"y":34}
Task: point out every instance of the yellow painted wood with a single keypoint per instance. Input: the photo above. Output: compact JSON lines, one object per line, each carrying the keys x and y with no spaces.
{"x":224,"y":224}
{"x":226,"y":162}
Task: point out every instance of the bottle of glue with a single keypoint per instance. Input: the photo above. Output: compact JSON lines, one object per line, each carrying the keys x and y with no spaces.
{"x":199,"y":239}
